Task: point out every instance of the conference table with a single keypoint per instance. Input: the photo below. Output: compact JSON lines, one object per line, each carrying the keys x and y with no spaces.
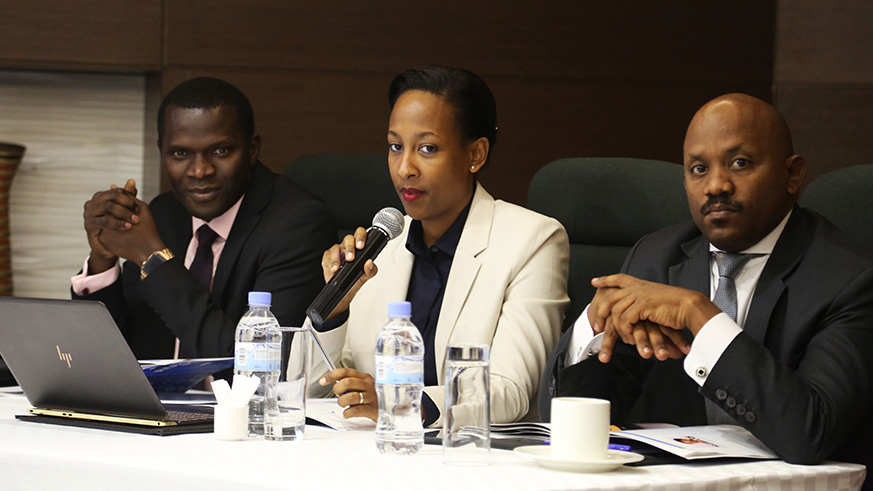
{"x":41,"y":456}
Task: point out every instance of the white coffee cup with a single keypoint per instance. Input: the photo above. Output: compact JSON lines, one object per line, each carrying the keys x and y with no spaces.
{"x":231,"y":422}
{"x":580,"y":428}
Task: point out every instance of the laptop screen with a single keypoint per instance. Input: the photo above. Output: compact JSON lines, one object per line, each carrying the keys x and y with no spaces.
{"x":69,"y":354}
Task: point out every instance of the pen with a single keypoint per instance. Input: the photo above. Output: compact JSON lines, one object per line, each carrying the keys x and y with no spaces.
{"x":327,"y":361}
{"x":612,"y":446}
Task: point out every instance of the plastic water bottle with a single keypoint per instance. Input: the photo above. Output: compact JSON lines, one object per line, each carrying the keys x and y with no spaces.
{"x":399,"y":382}
{"x":257,"y":352}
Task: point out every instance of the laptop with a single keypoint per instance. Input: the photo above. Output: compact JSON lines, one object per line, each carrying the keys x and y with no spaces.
{"x":76,"y":369}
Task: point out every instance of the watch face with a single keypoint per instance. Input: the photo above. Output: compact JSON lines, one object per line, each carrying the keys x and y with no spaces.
{"x":156,"y":259}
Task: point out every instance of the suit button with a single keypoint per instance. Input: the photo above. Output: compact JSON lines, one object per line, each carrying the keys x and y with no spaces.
{"x":701,"y":372}
{"x":750,"y":417}
{"x":721,"y":394}
{"x":741,"y":410}
{"x":730,"y":402}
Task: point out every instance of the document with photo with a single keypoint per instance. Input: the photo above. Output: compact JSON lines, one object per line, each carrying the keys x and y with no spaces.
{"x":701,"y":442}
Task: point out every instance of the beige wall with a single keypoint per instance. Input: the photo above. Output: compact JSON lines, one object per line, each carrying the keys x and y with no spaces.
{"x":83,"y":132}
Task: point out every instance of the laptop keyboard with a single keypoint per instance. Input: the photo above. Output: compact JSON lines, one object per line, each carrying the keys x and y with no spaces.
{"x":186,"y":416}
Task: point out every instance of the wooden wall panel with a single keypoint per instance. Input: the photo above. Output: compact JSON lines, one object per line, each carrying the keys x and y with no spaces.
{"x":540,"y":120}
{"x":824,"y":42}
{"x":571,"y":78}
{"x":109,"y":35}
{"x":314,"y":112}
{"x":832,"y":126}
{"x":544,"y":120}
{"x":824,"y":80}
{"x":675,"y":40}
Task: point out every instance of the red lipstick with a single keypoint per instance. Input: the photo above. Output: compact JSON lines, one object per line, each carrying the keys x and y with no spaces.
{"x":411,"y":194}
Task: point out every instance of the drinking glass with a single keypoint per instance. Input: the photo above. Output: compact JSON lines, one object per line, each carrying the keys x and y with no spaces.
{"x":285,"y":417}
{"x":467,"y":411}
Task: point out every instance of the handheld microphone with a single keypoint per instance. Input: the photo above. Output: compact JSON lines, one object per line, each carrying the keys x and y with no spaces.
{"x":387,"y":224}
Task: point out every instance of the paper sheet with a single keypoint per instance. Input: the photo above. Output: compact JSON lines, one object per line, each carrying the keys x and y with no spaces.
{"x":328,"y":412}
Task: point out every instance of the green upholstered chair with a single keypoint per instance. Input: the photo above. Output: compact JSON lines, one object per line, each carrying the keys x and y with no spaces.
{"x":845,"y":197}
{"x":354,"y":186}
{"x":606,"y":205}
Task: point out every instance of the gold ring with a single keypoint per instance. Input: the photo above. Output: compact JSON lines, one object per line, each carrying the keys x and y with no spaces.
{"x":361,"y":396}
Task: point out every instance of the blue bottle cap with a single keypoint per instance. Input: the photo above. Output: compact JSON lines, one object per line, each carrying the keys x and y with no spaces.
{"x":399,"y":309}
{"x":260,"y":298}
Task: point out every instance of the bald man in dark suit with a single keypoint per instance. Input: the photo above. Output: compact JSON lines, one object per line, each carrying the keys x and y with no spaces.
{"x":788,"y":357}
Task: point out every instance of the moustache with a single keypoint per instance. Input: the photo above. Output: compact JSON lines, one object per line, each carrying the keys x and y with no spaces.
{"x":723,"y":202}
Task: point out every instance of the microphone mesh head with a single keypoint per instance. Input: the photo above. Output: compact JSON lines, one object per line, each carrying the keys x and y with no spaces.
{"x":390,"y":220}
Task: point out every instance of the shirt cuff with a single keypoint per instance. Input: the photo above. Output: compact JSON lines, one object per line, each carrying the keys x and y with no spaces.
{"x":583,"y":343}
{"x":83,"y":284}
{"x":708,"y":346}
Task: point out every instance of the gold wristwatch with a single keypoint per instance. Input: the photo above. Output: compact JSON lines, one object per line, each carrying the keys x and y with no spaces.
{"x":155,"y":259}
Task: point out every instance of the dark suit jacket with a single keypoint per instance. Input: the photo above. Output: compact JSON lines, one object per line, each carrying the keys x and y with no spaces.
{"x":275,"y":245}
{"x":802,"y":369}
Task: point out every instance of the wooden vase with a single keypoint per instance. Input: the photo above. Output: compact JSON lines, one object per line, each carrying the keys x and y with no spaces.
{"x":10,"y":158}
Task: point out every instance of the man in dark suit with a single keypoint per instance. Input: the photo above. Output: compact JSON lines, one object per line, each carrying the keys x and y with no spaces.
{"x":228,"y":226}
{"x":758,"y":314}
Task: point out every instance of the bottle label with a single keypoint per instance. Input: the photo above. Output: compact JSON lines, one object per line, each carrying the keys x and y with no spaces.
{"x":400,"y":369}
{"x":257,"y":357}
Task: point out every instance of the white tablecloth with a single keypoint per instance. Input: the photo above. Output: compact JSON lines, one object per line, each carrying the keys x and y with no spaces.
{"x":38,"y":456}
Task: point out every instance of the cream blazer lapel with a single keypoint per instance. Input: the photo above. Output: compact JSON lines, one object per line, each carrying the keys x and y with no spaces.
{"x":465,"y":268}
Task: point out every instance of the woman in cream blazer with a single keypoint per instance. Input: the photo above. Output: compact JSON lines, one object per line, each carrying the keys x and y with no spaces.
{"x":507,"y":285}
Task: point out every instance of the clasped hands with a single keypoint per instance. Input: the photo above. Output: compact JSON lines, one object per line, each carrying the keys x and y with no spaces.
{"x":119,"y":225}
{"x":651,"y":316}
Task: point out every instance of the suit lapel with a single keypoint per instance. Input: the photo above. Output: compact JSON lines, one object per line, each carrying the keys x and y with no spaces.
{"x":465,"y":268}
{"x":787,"y":253}
{"x":257,"y":197}
{"x":692,"y":274}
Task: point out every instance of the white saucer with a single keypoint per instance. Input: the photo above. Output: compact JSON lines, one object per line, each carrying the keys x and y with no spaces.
{"x":543,"y":455}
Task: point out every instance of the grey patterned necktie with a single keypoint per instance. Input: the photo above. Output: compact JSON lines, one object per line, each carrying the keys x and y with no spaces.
{"x":729,"y":265}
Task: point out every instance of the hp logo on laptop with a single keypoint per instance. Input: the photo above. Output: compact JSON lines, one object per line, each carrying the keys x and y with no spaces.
{"x":64,"y":356}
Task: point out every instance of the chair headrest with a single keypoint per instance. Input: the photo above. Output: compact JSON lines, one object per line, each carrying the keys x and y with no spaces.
{"x":610,"y":201}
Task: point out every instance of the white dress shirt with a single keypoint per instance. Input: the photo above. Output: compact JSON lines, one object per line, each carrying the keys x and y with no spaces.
{"x":715,"y":336}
